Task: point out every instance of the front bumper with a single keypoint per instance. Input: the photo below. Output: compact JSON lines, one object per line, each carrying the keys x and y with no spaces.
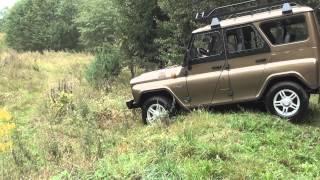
{"x":132,"y":105}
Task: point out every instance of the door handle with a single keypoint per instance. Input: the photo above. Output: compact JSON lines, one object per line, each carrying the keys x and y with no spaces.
{"x":215,"y":68}
{"x":261,"y":60}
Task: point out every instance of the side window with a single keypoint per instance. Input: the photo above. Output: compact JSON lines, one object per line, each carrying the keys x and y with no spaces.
{"x":243,"y":39}
{"x":206,"y":45}
{"x":285,"y":31}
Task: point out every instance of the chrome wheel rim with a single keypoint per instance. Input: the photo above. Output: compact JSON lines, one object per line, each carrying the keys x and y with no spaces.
{"x":155,"y":113}
{"x":286,"y":103}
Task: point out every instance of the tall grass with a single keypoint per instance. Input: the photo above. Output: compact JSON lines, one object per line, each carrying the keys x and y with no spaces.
{"x":3,"y":45}
{"x":64,"y":129}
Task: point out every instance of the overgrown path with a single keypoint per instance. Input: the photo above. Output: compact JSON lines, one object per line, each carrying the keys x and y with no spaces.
{"x":28,"y":77}
{"x":26,"y":82}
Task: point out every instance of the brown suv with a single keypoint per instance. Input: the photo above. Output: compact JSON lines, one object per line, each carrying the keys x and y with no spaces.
{"x":270,"y":52}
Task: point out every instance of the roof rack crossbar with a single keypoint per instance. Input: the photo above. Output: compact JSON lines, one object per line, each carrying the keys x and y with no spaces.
{"x":254,"y":11}
{"x":223,"y":11}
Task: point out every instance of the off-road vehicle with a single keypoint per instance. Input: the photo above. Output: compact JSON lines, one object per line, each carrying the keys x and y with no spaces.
{"x":253,"y":52}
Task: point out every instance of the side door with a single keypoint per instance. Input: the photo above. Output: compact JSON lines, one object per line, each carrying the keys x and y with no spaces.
{"x":247,"y":56}
{"x":206,"y":66}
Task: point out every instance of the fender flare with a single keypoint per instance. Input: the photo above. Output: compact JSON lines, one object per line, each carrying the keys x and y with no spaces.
{"x":162,"y":90}
{"x":274,"y":77}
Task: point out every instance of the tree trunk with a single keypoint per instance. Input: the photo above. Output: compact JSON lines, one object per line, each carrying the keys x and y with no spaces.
{"x":132,"y":70}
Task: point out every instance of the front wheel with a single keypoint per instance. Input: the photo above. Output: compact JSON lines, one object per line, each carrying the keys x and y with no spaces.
{"x":156,"y":109}
{"x":287,"y":100}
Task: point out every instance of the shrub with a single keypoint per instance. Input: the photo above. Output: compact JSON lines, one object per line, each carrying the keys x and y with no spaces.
{"x":104,"y":69}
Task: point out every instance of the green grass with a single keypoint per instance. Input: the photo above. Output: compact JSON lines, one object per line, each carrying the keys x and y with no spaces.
{"x":213,"y":145}
{"x":85,"y":133}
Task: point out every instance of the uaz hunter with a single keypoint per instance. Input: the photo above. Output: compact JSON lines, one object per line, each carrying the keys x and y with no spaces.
{"x":263,"y":52}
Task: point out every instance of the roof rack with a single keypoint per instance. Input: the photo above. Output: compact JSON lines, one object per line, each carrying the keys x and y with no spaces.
{"x":244,"y":8}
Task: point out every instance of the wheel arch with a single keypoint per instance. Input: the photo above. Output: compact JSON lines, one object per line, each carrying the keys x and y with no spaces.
{"x":160,"y":92}
{"x":292,"y":77}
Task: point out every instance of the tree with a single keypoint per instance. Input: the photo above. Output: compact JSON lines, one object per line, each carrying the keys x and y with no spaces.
{"x":176,"y":33}
{"x":39,"y":25}
{"x":138,"y":31}
{"x":97,"y":23}
{"x":2,"y":19}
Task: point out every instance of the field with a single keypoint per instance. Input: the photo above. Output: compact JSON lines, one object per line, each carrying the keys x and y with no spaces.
{"x":53,"y":125}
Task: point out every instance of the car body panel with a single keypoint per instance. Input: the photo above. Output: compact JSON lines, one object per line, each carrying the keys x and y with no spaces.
{"x":246,"y":75}
{"x":171,"y":80}
{"x":298,"y":57}
{"x":202,"y":81}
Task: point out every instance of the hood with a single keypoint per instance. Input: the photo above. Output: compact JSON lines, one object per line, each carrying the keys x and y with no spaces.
{"x":168,"y":73}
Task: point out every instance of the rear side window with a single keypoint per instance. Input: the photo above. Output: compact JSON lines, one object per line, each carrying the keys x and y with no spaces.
{"x":285,"y":31}
{"x":243,"y":39}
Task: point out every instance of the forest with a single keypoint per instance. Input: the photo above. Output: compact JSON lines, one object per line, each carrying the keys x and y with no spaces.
{"x":65,"y":70}
{"x":144,"y":33}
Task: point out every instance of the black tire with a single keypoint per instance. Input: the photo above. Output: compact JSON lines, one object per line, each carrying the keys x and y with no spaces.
{"x":298,"y":89}
{"x":164,"y":101}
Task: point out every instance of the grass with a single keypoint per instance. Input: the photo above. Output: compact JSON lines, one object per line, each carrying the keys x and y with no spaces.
{"x":64,"y":129}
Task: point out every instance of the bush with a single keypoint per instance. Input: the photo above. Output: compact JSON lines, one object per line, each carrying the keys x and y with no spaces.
{"x":104,"y":69}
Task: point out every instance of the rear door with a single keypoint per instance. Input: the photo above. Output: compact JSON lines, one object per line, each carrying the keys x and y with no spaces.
{"x":247,"y":55}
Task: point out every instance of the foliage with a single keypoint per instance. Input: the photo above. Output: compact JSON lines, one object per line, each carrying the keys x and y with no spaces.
{"x":97,"y":23}
{"x":2,"y":19}
{"x":97,"y":137}
{"x":151,"y":33}
{"x":105,"y":67}
{"x":176,"y":33}
{"x":39,"y":25}
{"x":138,"y":31}
{"x":6,"y":128}
{"x":85,"y":133}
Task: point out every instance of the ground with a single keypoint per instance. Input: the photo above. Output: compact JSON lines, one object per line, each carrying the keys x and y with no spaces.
{"x":54,"y":125}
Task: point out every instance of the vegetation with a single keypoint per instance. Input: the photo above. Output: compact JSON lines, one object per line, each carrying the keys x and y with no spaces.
{"x":148,"y":33}
{"x":2,"y":19}
{"x":104,"y":68}
{"x":53,"y":124}
{"x":97,"y":23}
{"x":58,"y":121}
{"x":39,"y":25}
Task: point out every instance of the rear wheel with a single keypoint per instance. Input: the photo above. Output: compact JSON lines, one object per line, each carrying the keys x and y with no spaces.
{"x":287,"y":100}
{"x":156,"y":109}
